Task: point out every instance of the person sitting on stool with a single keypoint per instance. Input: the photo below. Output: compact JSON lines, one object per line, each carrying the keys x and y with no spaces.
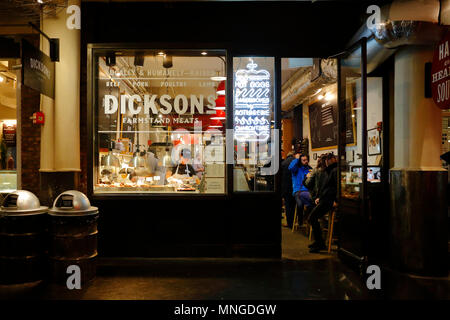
{"x":324,"y":203}
{"x":299,"y":169}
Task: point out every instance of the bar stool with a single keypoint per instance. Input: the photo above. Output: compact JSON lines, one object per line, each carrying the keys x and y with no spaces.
{"x":295,"y":222}
{"x":295,"y":225}
{"x":330,"y":229}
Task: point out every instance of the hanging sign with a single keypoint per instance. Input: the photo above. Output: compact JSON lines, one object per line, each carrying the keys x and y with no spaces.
{"x":38,"y":71}
{"x":440,"y":73}
{"x":252,"y":101}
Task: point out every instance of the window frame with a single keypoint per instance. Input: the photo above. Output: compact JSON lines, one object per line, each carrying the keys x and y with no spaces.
{"x":276,"y":114}
{"x":96,"y":50}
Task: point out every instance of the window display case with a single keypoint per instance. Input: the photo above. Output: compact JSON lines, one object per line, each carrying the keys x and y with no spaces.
{"x":159,"y":122}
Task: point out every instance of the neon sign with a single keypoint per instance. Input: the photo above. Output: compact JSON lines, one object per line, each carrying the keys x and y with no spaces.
{"x":252,"y":101}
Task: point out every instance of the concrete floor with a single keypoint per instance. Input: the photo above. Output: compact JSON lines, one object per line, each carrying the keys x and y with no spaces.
{"x":299,"y":275}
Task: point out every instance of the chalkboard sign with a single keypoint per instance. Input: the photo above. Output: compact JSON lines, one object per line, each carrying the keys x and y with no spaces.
{"x":323,"y":124}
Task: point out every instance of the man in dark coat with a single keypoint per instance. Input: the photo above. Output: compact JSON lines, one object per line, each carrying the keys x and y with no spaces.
{"x":286,"y":189}
{"x":326,"y":200}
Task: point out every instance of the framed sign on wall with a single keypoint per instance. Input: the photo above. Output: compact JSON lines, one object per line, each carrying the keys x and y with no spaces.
{"x":323,"y":125}
{"x":373,"y":142}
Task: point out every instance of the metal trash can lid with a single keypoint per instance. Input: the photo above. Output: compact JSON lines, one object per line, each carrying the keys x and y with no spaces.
{"x":72,"y":202}
{"x":21,"y":202}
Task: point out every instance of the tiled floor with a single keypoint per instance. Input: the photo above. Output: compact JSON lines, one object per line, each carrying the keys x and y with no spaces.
{"x":210,"y":279}
{"x":300,"y":275}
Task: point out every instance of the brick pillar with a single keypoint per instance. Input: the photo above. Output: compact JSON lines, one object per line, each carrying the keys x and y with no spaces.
{"x":30,"y":147}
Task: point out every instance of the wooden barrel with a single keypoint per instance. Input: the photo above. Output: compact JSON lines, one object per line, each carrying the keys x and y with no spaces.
{"x":22,"y":245}
{"x":73,"y":237}
{"x":73,"y":241}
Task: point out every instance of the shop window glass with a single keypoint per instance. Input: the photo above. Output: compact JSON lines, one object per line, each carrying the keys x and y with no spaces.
{"x":253,"y":124}
{"x":8,"y":158}
{"x":160,"y":122}
{"x":351,"y":164}
{"x":8,"y":127}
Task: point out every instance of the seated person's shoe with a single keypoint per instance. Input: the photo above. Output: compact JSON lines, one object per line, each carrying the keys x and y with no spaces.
{"x":316,"y":247}
{"x":314,"y":244}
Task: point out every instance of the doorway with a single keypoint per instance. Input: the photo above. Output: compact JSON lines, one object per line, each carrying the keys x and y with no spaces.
{"x":309,"y":125}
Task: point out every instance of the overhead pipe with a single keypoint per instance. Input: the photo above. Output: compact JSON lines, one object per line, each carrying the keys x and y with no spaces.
{"x":414,"y":22}
{"x":299,"y":87}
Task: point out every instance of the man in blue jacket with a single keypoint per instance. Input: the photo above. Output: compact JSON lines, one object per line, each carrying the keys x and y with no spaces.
{"x":299,"y":169}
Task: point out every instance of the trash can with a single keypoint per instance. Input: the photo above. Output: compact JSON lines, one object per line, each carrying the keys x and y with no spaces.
{"x":22,"y":238}
{"x":73,"y":237}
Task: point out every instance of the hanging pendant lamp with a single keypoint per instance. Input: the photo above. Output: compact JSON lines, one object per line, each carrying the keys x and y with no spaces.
{"x":215,"y":124}
{"x":221,"y":88}
{"x":220,"y":115}
{"x":220,"y":103}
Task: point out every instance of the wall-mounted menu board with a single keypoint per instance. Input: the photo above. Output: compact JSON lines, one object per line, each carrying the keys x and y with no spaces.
{"x":323,"y":124}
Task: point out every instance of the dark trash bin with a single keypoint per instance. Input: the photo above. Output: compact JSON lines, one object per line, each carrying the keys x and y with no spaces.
{"x":22,"y":238}
{"x":73,"y":237}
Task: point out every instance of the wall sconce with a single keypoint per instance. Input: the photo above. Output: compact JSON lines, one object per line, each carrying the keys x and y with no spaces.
{"x":167,"y":61}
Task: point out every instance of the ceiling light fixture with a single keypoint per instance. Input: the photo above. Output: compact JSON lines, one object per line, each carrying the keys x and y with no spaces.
{"x":10,"y":122}
{"x":167,"y":62}
{"x":204,"y":53}
{"x":329,"y":96}
{"x":40,"y":1}
{"x":220,"y":115}
{"x":161,"y":53}
{"x":220,"y":103}
{"x":215,"y":124}
{"x":218,"y":78}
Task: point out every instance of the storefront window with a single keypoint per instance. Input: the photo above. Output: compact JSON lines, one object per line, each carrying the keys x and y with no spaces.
{"x":351,"y":164}
{"x":253,"y":123}
{"x":160,"y":118}
{"x":8,"y":173}
{"x":8,"y":128}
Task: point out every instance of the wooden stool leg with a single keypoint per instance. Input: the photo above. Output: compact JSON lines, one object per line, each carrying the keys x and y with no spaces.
{"x":294,"y":223}
{"x":310,"y":232}
{"x":330,"y":231}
